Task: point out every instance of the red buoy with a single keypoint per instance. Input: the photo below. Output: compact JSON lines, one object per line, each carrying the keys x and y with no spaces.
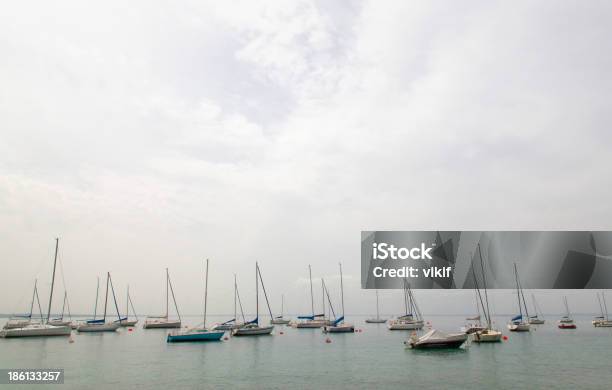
{"x":505,"y":337}
{"x":130,"y":329}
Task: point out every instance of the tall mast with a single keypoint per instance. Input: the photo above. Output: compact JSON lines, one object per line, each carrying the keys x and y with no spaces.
{"x":167,"y":297}
{"x":127,"y":303}
{"x":405,"y":297}
{"x":263,"y":287}
{"x":106,"y":298}
{"x":205,"y":294}
{"x":484,"y":282}
{"x":311,"y":296}
{"x":256,"y":294}
{"x":235,"y":288}
{"x":377,"y":314}
{"x":96,"y":304}
{"x":518,"y":293}
{"x":64,"y":304}
{"x":53,"y":279}
{"x":341,"y":289}
{"x":114,"y":298}
{"x":173,"y":297}
{"x":282,"y":305}
{"x":323,"y":296}
{"x":605,"y":306}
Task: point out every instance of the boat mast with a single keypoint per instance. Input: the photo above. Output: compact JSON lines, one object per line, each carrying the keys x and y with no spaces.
{"x":518,"y":293}
{"x":256,"y":294}
{"x":106,"y":297}
{"x":52,"y":279}
{"x":524,"y":302}
{"x":405,"y":297}
{"x":341,"y":289}
{"x":96,"y":304}
{"x":263,"y":287}
{"x":132,"y":305}
{"x":377,"y":313}
{"x":235,"y":289}
{"x":127,"y":303}
{"x":167,"y":298}
{"x":205,"y":294}
{"x":311,"y":296}
{"x":605,"y":306}
{"x":323,"y":296}
{"x":484,"y":282}
{"x":114,"y":297}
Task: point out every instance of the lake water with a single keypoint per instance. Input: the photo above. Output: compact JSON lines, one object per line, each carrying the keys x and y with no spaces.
{"x":300,"y":358}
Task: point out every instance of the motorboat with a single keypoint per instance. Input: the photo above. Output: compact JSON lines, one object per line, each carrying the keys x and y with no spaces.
{"x":435,"y":339}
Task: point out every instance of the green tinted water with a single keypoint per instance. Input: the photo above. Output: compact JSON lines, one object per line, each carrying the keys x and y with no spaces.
{"x":545,"y":358}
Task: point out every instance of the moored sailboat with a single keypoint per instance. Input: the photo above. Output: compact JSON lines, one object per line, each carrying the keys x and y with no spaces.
{"x":518,"y":323}
{"x":376,"y":320}
{"x":488,"y":334}
{"x":233,"y":323}
{"x":197,"y":334}
{"x":100,"y":325}
{"x":19,"y":321}
{"x":536,"y":319}
{"x":125,"y":321}
{"x":164,"y":322}
{"x":602,"y":321}
{"x":412,"y":319}
{"x":311,"y":321}
{"x":253,"y":328}
{"x":338,"y":325}
{"x":281,"y":320}
{"x":41,"y":329}
{"x":566,"y":322}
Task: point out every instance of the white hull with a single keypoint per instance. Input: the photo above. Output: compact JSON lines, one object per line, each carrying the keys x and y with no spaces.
{"x":375,"y":321}
{"x":280,"y":321}
{"x":522,"y":327}
{"x":534,"y":321}
{"x":128,"y":323}
{"x":602,"y":324}
{"x":36,"y":330}
{"x":309,"y":324}
{"x":60,"y":323}
{"x":253,"y":331}
{"x":107,"y":327}
{"x":14,"y":324}
{"x":487,"y":336}
{"x":405,"y":325}
{"x":163,"y":324}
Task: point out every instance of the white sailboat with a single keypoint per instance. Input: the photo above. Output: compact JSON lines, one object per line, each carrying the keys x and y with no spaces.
{"x":311,"y":321}
{"x":536,"y":319}
{"x":376,"y":320}
{"x":253,"y":328}
{"x":125,"y":321}
{"x":603,"y":321}
{"x":412,"y":320}
{"x":338,"y":325}
{"x":40,"y":329}
{"x":281,"y":320}
{"x":233,"y":323}
{"x":164,"y":322}
{"x":566,"y":322}
{"x":101,"y":325}
{"x":19,"y":321}
{"x":488,"y":334}
{"x":518,"y":323}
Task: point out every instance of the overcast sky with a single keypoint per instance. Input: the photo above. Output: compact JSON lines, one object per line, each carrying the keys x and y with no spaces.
{"x":157,"y":134}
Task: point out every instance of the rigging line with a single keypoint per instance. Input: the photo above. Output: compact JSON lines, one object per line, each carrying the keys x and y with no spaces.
{"x":39,"y":306}
{"x":484,"y":281}
{"x":328,"y":299}
{"x":479,"y":295}
{"x":240,"y":304}
{"x":114,"y":297}
{"x":264,"y":290}
{"x":132,"y":305}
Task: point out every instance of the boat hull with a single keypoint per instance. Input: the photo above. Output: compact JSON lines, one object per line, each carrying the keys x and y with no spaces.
{"x":279,"y":321}
{"x":405,"y":325}
{"x":602,"y":324}
{"x":375,"y":321}
{"x":253,"y":331}
{"x":36,"y":331}
{"x":309,"y":324}
{"x":522,"y":327}
{"x":91,"y":328}
{"x":345,"y":328}
{"x":536,"y":321}
{"x":565,"y":325}
{"x":162,"y":324}
{"x":128,"y":323}
{"x":487,"y":336}
{"x":60,"y":323}
{"x":451,"y":341}
{"x":195,"y":336}
{"x":14,"y":324}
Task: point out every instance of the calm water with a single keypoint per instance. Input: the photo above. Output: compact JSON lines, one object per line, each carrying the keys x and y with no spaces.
{"x":300,"y":358}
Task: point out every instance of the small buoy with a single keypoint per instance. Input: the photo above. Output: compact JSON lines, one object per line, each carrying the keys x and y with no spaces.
{"x":505,"y":337}
{"x":328,"y":340}
{"x":130,"y":329}
{"x":226,"y":338}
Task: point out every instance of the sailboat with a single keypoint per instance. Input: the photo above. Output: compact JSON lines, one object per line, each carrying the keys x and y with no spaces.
{"x":101,"y":325}
{"x":518,"y":324}
{"x":488,"y":334}
{"x":310,"y":321}
{"x":197,"y":334}
{"x":475,"y":323}
{"x":338,"y":325}
{"x":376,"y":320}
{"x":233,"y":323}
{"x":412,"y":320}
{"x":43,"y":328}
{"x":164,"y":322}
{"x":566,"y":322}
{"x":603,"y":321}
{"x":19,"y":321}
{"x":281,"y":320}
{"x":253,"y":328}
{"x":535,"y":319}
{"x":59,"y":321}
{"x":125,"y":321}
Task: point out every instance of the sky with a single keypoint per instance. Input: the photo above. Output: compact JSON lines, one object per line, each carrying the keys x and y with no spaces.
{"x":157,"y":134}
